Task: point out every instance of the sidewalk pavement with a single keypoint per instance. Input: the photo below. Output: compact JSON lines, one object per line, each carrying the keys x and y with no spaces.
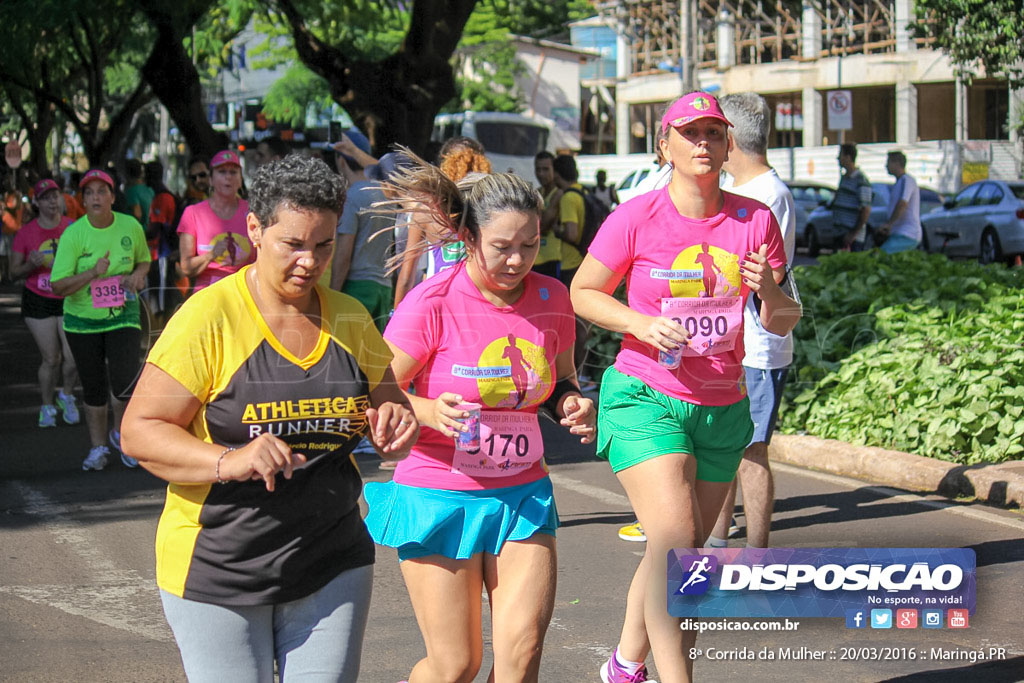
{"x":998,"y":484}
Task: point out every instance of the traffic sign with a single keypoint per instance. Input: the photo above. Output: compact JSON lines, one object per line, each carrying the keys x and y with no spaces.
{"x":840,"y":109}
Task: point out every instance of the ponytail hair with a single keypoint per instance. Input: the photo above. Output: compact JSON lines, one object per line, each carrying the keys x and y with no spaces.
{"x":460,"y":156}
{"x":457,"y":210}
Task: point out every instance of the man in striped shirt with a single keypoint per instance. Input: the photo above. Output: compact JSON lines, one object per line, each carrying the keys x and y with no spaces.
{"x":851,"y":205}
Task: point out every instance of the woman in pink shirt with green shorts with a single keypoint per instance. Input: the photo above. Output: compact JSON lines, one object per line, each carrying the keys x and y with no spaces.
{"x":674,"y":416}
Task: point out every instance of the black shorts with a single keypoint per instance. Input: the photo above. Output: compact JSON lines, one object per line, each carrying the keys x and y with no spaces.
{"x":107,"y":362}
{"x":40,"y":307}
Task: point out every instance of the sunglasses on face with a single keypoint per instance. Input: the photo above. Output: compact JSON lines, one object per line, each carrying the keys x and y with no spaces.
{"x":198,"y":176}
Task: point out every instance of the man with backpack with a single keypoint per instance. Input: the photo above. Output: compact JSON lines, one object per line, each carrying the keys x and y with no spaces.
{"x":581,"y":213}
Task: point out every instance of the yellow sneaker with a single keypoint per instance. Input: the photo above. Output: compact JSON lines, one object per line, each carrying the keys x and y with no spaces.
{"x":633,"y":532}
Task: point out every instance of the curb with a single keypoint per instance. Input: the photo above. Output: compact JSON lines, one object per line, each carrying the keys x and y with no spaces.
{"x":999,"y":484}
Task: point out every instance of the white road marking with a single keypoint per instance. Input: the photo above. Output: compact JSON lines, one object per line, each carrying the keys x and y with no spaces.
{"x":595,"y":492}
{"x":119,"y":598}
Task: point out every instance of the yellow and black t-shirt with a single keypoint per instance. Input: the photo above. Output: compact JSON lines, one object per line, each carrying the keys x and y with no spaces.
{"x":237,"y":543}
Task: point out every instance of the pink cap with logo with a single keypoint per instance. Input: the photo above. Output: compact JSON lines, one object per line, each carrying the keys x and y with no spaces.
{"x":690,"y":107}
{"x":225,"y":158}
{"x":43,"y":186}
{"x":96,"y":174}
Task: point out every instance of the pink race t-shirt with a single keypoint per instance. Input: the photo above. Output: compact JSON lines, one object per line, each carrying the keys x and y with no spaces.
{"x":209,"y":229}
{"x":500,"y":357}
{"x":34,"y":237}
{"x":692,"y":264}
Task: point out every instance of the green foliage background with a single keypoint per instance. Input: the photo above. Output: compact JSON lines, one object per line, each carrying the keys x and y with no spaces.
{"x":911,"y":352}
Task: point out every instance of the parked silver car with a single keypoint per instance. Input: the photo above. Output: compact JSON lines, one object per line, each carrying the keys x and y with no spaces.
{"x":822,"y":233}
{"x":984,"y":220}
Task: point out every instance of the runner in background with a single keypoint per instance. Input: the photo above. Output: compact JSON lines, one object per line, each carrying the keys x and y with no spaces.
{"x":549,"y":258}
{"x":162,"y":237}
{"x":197,"y":184}
{"x":469,"y":516}
{"x":137,"y":194}
{"x":212,"y":236}
{"x":674,"y":417}
{"x":100,"y":266}
{"x":459,"y":157}
{"x":34,"y":247}
{"x":768,"y":356}
{"x":605,"y":193}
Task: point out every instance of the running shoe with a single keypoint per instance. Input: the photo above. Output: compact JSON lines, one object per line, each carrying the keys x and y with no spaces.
{"x":97,"y":458}
{"x":611,"y":672}
{"x":47,"y":416}
{"x":115,"y":441}
{"x":633,"y":532}
{"x":733,"y":528}
{"x":67,"y":404}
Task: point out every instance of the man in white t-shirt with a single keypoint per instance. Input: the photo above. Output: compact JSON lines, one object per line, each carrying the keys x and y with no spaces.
{"x":768,"y":356}
{"x":903,"y":229}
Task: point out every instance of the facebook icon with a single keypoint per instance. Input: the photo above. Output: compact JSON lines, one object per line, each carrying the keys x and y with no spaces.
{"x":856,"y":618}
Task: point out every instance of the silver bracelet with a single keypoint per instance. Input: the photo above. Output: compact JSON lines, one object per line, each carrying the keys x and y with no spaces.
{"x":219,"y":459}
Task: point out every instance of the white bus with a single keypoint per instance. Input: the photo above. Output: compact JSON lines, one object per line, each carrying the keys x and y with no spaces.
{"x":510,"y":140}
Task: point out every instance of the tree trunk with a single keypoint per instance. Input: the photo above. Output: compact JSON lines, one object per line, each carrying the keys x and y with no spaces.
{"x":393,"y":100}
{"x":175,"y":82}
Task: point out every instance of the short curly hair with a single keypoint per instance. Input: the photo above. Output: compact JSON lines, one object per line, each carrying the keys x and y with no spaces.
{"x":298,"y":183}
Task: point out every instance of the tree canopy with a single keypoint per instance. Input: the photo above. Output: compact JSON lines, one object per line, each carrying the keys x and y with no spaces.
{"x":979,"y":35}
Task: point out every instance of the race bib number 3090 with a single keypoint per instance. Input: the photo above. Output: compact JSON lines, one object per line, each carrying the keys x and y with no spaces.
{"x":713,"y":323}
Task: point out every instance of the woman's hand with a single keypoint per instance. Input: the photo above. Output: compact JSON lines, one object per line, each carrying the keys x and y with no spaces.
{"x":102,"y":265}
{"x":664,"y":334}
{"x":580,"y":417}
{"x":445,"y":417}
{"x":36,"y":258}
{"x":262,"y":458}
{"x":134,"y":281}
{"x":393,"y":430}
{"x":758,"y":276}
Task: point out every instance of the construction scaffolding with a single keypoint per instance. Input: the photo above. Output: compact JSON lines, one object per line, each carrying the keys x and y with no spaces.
{"x":755,"y":31}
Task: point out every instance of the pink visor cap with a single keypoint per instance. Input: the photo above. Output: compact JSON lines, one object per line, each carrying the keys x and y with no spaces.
{"x":690,"y":107}
{"x":44,"y":186}
{"x":224,"y":158}
{"x":96,"y":174}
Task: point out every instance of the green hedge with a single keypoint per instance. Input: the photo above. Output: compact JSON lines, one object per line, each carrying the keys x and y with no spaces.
{"x":911,"y":352}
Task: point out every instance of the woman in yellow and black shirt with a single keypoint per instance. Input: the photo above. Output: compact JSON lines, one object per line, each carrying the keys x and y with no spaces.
{"x":262,"y":374}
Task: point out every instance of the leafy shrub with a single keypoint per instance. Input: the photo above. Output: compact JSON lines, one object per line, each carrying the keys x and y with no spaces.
{"x":911,"y":352}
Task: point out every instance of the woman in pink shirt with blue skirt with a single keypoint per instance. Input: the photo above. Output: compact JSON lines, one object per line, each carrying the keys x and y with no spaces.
{"x":486,"y":335}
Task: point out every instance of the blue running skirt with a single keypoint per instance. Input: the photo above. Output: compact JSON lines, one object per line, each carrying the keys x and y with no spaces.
{"x":457,"y":524}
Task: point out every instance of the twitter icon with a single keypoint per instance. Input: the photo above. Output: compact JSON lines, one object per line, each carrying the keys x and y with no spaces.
{"x":881,"y":618}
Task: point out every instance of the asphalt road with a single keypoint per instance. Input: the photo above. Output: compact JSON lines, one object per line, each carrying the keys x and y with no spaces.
{"x":78,"y":600}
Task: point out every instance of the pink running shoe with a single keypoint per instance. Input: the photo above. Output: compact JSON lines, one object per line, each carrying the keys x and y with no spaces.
{"x":611,"y":672}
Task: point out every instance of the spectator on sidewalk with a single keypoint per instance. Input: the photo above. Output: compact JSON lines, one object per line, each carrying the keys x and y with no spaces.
{"x":163,"y":243}
{"x":902,"y":231}
{"x":768,"y":356}
{"x":605,"y":193}
{"x":851,"y":205}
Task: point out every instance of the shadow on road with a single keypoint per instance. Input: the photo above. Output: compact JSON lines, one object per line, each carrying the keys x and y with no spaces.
{"x":1005,"y":671}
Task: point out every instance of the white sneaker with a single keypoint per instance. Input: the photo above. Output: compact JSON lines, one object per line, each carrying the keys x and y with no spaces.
{"x":47,"y":416}
{"x":115,"y":441}
{"x":69,"y":407}
{"x":97,"y":458}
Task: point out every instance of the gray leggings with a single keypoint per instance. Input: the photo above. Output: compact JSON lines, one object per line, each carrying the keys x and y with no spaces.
{"x":318,"y":638}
